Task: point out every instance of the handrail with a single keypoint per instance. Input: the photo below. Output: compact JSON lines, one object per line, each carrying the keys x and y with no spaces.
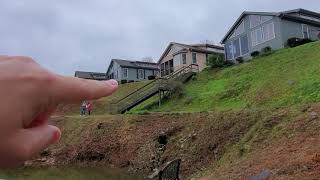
{"x":136,"y":91}
{"x":143,"y":89}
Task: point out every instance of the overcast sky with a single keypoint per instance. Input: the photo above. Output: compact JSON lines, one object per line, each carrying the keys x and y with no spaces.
{"x":69,"y":35}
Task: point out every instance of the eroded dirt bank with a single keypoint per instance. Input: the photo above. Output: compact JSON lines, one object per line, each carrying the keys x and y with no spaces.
{"x":215,"y":145}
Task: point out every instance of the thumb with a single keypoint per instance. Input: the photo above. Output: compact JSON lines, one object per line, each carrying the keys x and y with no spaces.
{"x":29,"y":142}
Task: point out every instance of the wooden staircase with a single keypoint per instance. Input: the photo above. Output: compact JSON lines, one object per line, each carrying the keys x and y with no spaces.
{"x":152,"y":88}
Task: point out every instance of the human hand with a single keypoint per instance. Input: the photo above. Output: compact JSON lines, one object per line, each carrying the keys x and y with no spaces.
{"x":29,"y":94}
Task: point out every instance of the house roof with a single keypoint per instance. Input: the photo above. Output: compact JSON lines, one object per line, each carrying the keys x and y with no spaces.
{"x":193,"y":47}
{"x":284,"y":15}
{"x":134,"y":64}
{"x":90,"y":75}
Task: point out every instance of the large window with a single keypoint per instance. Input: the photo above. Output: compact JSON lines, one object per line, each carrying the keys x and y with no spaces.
{"x":256,"y":37}
{"x":263,"y":34}
{"x":268,"y":32}
{"x":256,"y":20}
{"x":236,"y":48}
{"x":239,"y":30}
{"x":305,"y":31}
{"x":229,"y":50}
{"x":244,"y":43}
{"x":184,"y":58}
{"x":125,"y":72}
{"x":194,"y":58}
{"x":141,"y":74}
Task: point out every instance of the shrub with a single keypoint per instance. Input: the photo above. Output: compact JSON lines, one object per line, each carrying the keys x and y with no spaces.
{"x":306,"y":40}
{"x":294,"y":42}
{"x":255,"y":54}
{"x":240,"y":60}
{"x":131,"y":81}
{"x":152,"y":77}
{"x":216,"y":60}
{"x":176,"y":88}
{"x":266,"y":51}
{"x":124,"y":81}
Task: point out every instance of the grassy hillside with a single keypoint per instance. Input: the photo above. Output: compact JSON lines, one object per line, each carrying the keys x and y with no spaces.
{"x":287,"y":77}
{"x":99,"y":106}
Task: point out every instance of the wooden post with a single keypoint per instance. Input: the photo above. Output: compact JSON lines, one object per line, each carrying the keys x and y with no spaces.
{"x":159,"y":97}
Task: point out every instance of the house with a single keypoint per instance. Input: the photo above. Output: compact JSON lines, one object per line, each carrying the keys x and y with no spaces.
{"x":178,"y":55}
{"x":256,"y":30}
{"x":126,"y":70}
{"x":90,"y":75}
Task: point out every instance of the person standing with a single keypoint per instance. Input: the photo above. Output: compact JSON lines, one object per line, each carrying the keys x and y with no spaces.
{"x":89,"y":108}
{"x":83,"y":108}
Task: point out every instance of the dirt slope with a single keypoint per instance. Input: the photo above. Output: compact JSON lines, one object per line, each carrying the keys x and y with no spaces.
{"x":215,"y":145}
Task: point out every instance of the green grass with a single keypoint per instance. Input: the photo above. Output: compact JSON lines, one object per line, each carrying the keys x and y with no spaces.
{"x":285,"y":78}
{"x":67,"y":173}
{"x":100,"y":106}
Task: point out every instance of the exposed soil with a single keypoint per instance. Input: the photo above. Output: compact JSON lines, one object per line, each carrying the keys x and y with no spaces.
{"x":285,"y":143}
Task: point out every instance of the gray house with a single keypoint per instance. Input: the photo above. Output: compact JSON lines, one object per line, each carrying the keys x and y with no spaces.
{"x":131,"y":70}
{"x":255,"y":30}
{"x":90,"y":75}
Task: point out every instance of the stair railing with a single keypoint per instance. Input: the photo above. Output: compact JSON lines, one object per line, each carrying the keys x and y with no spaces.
{"x":153,"y":84}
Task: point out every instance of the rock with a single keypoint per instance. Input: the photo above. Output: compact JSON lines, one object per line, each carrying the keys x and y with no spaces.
{"x":313,"y":115}
{"x":45,"y":153}
{"x":291,"y":82}
{"x":262,"y":176}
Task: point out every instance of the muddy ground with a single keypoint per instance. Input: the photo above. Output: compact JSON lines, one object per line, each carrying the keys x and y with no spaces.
{"x":282,"y":143}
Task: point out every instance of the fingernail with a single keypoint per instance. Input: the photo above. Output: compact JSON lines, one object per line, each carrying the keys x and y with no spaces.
{"x":56,"y":136}
{"x":113,"y":82}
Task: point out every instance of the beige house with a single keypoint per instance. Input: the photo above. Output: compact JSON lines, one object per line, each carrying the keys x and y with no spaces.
{"x":179,"y":55}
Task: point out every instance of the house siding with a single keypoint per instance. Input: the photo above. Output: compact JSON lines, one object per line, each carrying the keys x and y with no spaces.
{"x":293,"y":29}
{"x":275,"y":43}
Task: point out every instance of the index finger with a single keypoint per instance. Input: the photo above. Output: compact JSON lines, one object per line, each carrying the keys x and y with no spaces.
{"x":73,"y":89}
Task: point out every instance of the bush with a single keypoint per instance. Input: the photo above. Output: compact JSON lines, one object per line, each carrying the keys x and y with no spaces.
{"x":306,"y":41}
{"x":152,"y":77}
{"x":240,"y":60}
{"x":176,"y":88}
{"x":255,"y":54}
{"x":266,"y":51}
{"x":131,"y":81}
{"x":294,"y":42}
{"x":124,"y":81}
{"x":216,"y":61}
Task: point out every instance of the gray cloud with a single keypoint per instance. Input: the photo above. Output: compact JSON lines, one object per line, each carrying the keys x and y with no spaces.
{"x":65,"y":36}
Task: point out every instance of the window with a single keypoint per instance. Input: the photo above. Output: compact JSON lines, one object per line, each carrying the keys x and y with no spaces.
{"x":140,"y":74}
{"x":261,"y":35}
{"x":125,"y":72}
{"x":268,"y":32}
{"x":305,"y":31}
{"x":229,"y":50}
{"x":162,"y":69}
{"x":194,"y":58}
{"x":236,"y":48}
{"x":256,"y":36}
{"x":184,"y":59}
{"x":255,"y":21}
{"x":265,"y":18}
{"x":244,"y":44}
{"x":239,"y":30}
